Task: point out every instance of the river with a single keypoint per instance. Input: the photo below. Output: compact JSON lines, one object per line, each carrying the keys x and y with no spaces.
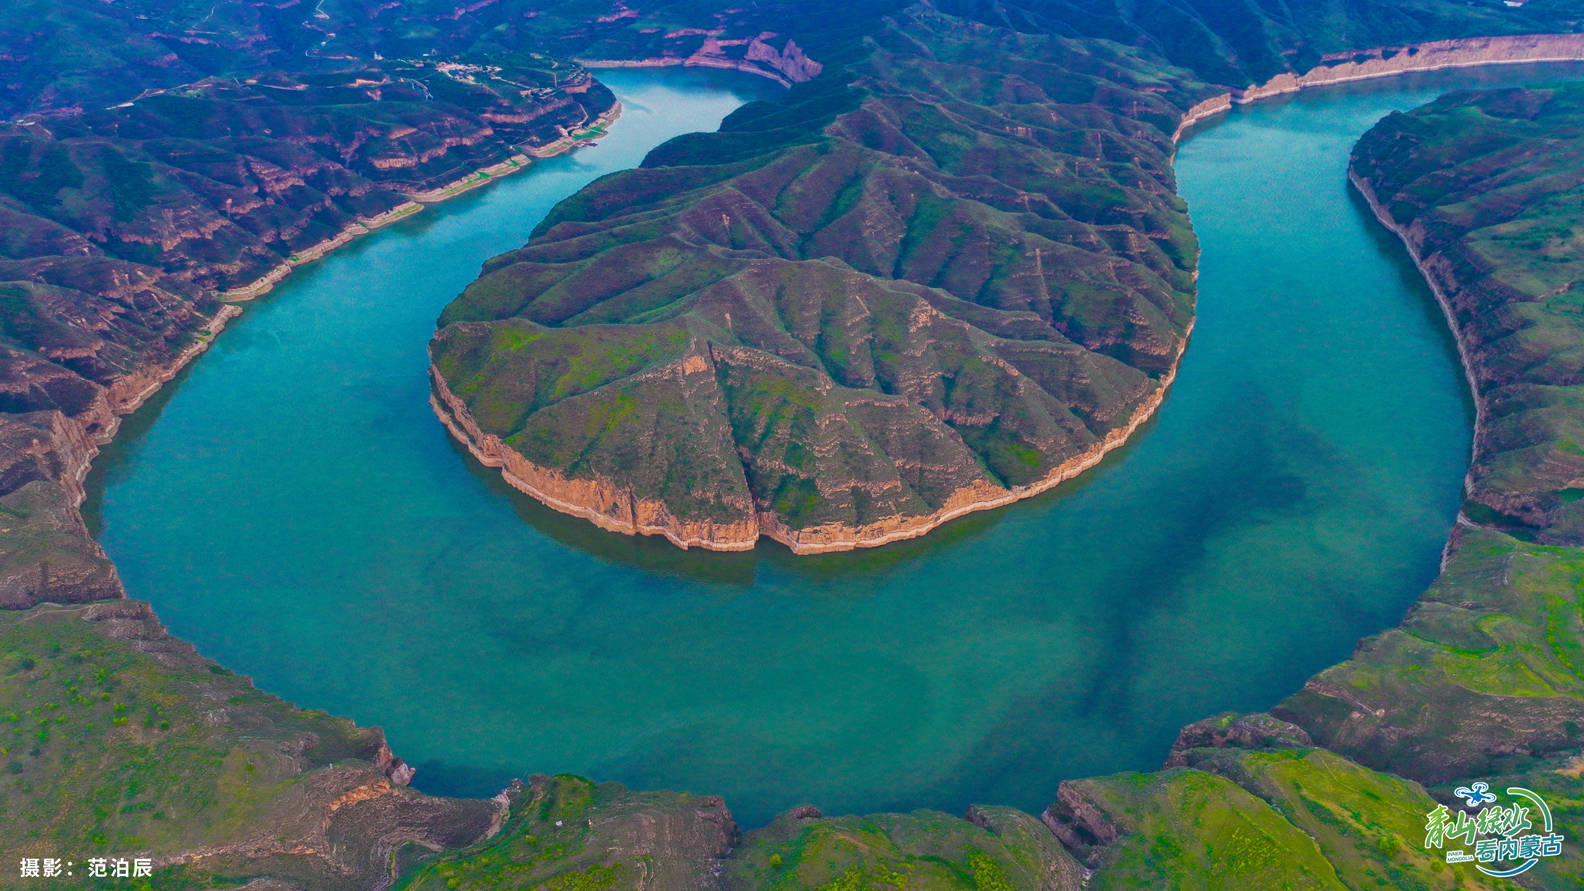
{"x":292,"y":507}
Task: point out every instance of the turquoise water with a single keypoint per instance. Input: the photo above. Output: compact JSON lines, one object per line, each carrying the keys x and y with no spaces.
{"x":293,"y":508}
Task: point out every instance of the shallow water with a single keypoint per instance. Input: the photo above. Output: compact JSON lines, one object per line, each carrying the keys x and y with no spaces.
{"x":293,"y":508}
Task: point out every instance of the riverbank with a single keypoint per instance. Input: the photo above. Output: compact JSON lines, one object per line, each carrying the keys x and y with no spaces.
{"x":266,"y":282}
{"x":827,"y":539}
{"x":78,"y":440}
{"x":577,"y":497}
{"x":1414,"y":245}
{"x":786,"y":66}
{"x":629,"y":515}
{"x":1390,"y":61}
{"x":129,"y":393}
{"x":418,"y":200}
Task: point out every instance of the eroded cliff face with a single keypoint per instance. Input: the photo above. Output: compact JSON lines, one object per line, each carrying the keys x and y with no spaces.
{"x":758,"y":55}
{"x":612,"y":504}
{"x":608,"y":504}
{"x":1379,"y":62}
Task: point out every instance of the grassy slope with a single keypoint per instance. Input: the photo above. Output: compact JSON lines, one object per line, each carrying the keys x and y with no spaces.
{"x":568,"y":834}
{"x":1293,"y":818}
{"x":993,"y":849}
{"x":118,"y":741}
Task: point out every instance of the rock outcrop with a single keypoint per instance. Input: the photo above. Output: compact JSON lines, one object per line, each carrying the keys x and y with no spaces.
{"x":756,"y":55}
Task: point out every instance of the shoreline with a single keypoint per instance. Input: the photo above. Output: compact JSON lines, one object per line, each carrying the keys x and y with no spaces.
{"x":744,"y":535}
{"x":362,"y":226}
{"x":417,"y":201}
{"x":719,"y":64}
{"x":116,"y":403}
{"x":517,"y":471}
{"x":786,"y":66}
{"x":798,"y":540}
{"x":1390,"y":61}
{"x":1470,"y":378}
{"x":128,"y":393}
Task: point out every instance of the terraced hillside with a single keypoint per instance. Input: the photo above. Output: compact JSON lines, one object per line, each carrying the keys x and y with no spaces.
{"x":122,"y":226}
{"x":946,"y":281}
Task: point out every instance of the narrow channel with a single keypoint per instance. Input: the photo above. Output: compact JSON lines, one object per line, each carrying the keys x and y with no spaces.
{"x":293,"y":509}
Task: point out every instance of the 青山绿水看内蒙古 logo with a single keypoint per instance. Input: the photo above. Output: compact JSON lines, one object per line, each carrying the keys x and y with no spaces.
{"x":1503,"y":836}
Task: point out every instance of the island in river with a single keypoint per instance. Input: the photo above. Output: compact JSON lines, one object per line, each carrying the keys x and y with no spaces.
{"x":297,"y":799}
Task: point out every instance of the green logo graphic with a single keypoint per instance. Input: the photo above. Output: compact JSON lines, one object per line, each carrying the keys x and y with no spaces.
{"x":1499,"y":833}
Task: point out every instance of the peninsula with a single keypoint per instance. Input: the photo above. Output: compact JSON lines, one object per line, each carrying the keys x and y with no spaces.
{"x":971,"y":345}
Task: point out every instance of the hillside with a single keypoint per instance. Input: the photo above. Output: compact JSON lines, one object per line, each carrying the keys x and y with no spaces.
{"x":934,"y":284}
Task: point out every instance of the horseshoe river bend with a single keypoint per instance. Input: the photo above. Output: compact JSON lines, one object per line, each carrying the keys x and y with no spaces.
{"x":292,"y":506}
